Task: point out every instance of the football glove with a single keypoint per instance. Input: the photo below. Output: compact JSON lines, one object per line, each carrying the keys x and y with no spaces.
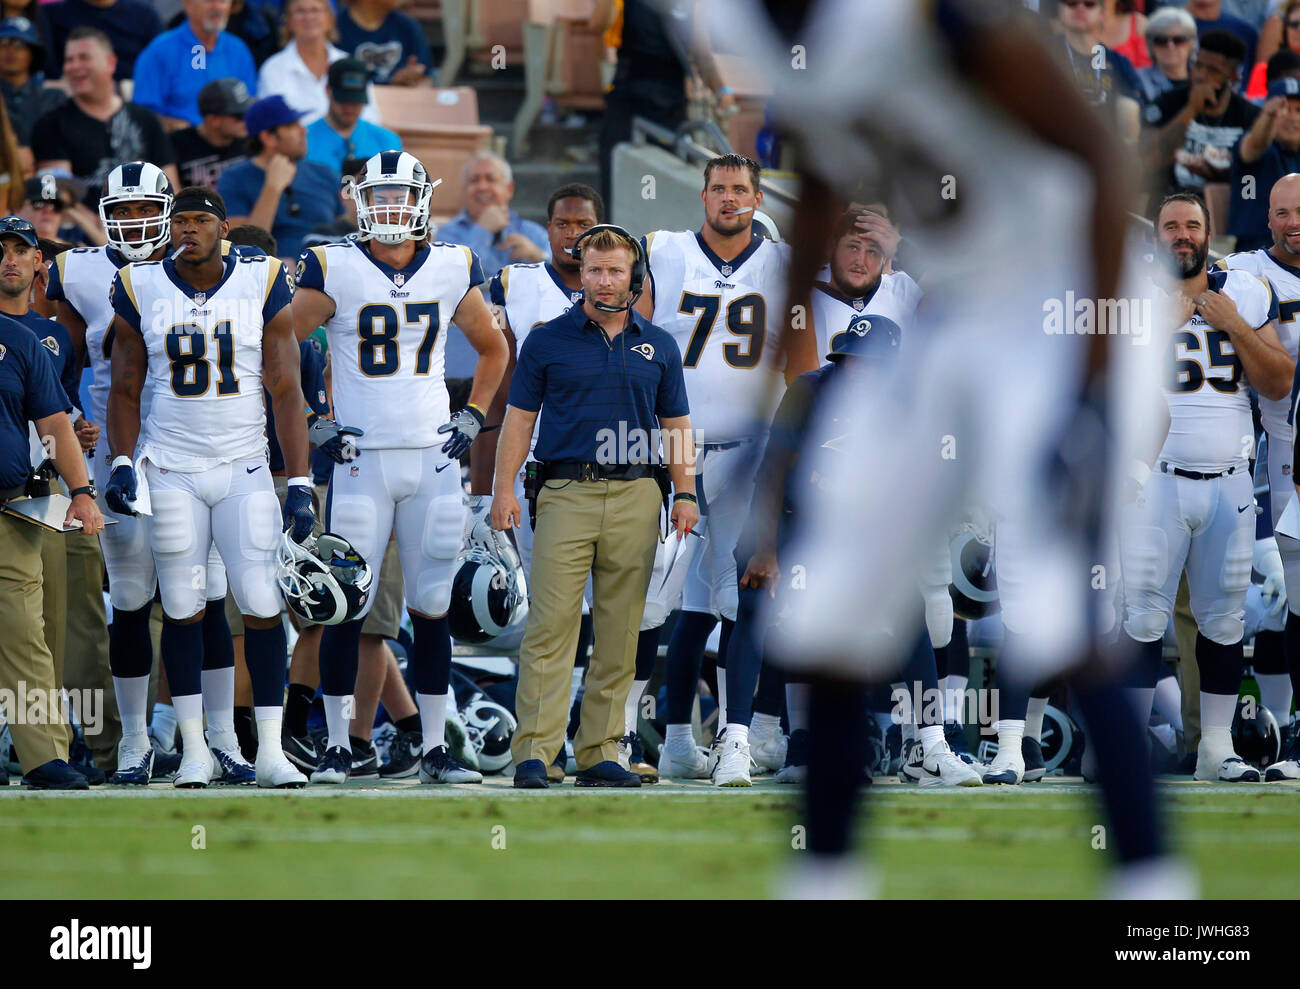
{"x":464,"y":427}
{"x":332,"y":439}
{"x":1268,"y":561}
{"x":299,"y":519}
{"x":121,"y":490}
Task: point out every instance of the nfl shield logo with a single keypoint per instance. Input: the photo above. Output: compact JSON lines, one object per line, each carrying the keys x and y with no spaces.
{"x":859,"y":303}
{"x":726,"y":271}
{"x":354,"y":470}
{"x":398,"y":279}
{"x":575,"y":296}
{"x":200,"y":297}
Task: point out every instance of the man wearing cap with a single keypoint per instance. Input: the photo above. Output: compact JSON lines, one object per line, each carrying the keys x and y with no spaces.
{"x":1269,"y":150}
{"x":173,"y":68}
{"x":129,"y":24}
{"x":206,"y":150}
{"x":21,"y":82}
{"x":277,"y":189}
{"x":342,"y":134}
{"x":54,"y":207}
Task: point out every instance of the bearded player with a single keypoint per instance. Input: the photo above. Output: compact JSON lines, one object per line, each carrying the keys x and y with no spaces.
{"x":386,"y":300}
{"x":208,"y":330}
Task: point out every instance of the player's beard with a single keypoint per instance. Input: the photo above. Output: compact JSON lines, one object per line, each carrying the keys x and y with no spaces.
{"x":738,"y":224}
{"x":841,"y":280}
{"x":1193,"y":265}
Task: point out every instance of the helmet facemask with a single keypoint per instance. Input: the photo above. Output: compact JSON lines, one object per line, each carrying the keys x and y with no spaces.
{"x":137,"y":238}
{"x":392,"y":210}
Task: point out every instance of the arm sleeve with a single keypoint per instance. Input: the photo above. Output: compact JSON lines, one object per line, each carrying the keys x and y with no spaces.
{"x":671,"y":402}
{"x":310,"y":272}
{"x":313,"y":379}
{"x":279,"y":289}
{"x":529,"y":381}
{"x":122,"y":297}
{"x":44,"y":396}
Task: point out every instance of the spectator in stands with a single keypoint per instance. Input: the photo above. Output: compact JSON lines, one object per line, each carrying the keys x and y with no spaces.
{"x":299,"y":71}
{"x":1270,"y":149}
{"x":487,"y":224}
{"x":1110,"y":81}
{"x":1171,"y":39}
{"x":95,"y":130}
{"x":346,"y":223}
{"x":277,"y":189}
{"x":129,"y":24}
{"x":392,"y":44}
{"x":1192,"y":132}
{"x":342,"y":134}
{"x":178,"y":63}
{"x":253,"y":23}
{"x":204,"y":152}
{"x":21,"y":80}
{"x":14,"y":164}
{"x":53,"y":204}
{"x":1257,"y":90}
{"x":1210,"y":16}
{"x":1124,"y":31}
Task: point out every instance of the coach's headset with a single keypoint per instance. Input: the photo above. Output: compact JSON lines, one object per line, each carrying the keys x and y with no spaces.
{"x":639,"y":266}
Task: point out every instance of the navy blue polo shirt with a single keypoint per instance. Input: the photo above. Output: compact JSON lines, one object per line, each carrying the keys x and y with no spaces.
{"x":313,"y":390}
{"x":29,"y":391}
{"x":593,"y":389}
{"x":58,"y":344}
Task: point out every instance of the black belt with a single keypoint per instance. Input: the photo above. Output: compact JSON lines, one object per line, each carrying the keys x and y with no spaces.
{"x":572,"y":471}
{"x":9,"y":494}
{"x":724,"y":446}
{"x":1194,"y":475}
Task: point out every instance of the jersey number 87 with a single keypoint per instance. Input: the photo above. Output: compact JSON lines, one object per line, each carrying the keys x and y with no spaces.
{"x":377,"y":325}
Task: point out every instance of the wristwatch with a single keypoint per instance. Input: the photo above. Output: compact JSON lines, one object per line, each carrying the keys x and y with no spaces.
{"x":86,"y":489}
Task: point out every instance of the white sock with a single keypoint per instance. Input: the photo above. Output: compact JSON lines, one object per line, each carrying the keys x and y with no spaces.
{"x":132,"y":700}
{"x":1217,"y":711}
{"x":1141,"y":698}
{"x":1217,"y":739}
{"x":1034,"y":718}
{"x":931,"y":738}
{"x":1010,"y":733}
{"x":192,"y":727}
{"x":1169,"y":701}
{"x":722,"y":695}
{"x":737,"y":733}
{"x":433,"y":719}
{"x":219,"y":702}
{"x":336,"y":722}
{"x":631,"y":717}
{"x":163,"y":721}
{"x":270,"y":722}
{"x":679,"y":736}
{"x":575,"y":682}
{"x":766,"y":724}
{"x":1275,"y":694}
{"x":954,"y":696}
{"x":796,"y":705}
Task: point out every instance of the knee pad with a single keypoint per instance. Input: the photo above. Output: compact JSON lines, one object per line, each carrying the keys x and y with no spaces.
{"x":181,"y":599}
{"x":1146,"y":626}
{"x":1235,"y":576}
{"x":1226,"y":630}
{"x":259,"y":524}
{"x":938,"y":615}
{"x":353,"y":518}
{"x":1145,"y":558}
{"x":217,"y":584}
{"x":173,"y":523}
{"x":261,"y":598}
{"x":444,"y":528}
{"x":726,"y":594}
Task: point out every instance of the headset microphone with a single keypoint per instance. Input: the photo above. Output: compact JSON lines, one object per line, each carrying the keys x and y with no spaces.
{"x":639,"y":266}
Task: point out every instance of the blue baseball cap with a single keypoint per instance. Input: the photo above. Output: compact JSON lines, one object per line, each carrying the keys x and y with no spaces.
{"x":23,"y":30}
{"x":16,"y":226}
{"x":269,"y":113}
{"x":868,"y":337}
{"x":1288,"y":86}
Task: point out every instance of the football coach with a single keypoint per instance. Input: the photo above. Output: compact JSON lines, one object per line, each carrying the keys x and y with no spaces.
{"x":29,"y":391}
{"x":611,"y":385}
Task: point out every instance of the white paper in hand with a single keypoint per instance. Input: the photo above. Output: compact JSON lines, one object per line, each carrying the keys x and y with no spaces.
{"x":1289,"y":523}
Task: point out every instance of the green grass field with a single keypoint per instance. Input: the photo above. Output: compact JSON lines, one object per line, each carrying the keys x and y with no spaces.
{"x":685,"y":840}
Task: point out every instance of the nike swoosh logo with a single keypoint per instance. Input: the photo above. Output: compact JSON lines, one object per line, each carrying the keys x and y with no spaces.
{"x":1242,"y":509}
{"x":932,"y":772}
{"x":439,"y":470}
{"x":250,"y":470}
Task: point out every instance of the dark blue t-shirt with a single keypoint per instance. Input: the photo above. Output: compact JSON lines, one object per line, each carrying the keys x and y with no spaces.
{"x":55,"y":339}
{"x":385,"y":50}
{"x":596,"y":392}
{"x":29,"y":390}
{"x":313,"y":390}
{"x":129,"y":24}
{"x":311,"y":200}
{"x":1248,"y":219}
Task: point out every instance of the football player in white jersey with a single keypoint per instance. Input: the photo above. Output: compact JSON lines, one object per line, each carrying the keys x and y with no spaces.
{"x":208,"y":329}
{"x":386,"y":299}
{"x":136,"y":212}
{"x":1280,"y":265}
{"x":1196,"y":510}
{"x":720,"y":292}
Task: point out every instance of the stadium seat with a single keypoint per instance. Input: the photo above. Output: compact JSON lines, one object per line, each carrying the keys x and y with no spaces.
{"x":562,"y":59}
{"x":402,"y":105}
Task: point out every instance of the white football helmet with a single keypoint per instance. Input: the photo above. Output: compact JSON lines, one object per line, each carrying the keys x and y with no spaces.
{"x":137,"y":181}
{"x":324,"y":580}
{"x":392,"y":197}
{"x":489,"y":727}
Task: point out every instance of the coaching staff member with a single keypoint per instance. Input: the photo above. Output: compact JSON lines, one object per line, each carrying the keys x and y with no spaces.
{"x":29,"y":391}
{"x":609,"y":381}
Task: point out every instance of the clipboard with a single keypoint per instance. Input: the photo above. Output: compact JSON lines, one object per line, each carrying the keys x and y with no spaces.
{"x":48,"y":512}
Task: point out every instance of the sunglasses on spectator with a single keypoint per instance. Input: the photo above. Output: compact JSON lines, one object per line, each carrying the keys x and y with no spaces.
{"x":58,"y":207}
{"x":1160,"y":40}
{"x":1081,"y":3}
{"x":1293,"y":25}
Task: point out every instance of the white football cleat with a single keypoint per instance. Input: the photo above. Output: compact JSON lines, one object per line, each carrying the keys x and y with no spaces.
{"x":683,"y":762}
{"x":1007,"y":767}
{"x":943,"y":767}
{"x":1287,"y":769}
{"x":1222,"y":766}
{"x":276,"y":772}
{"x":732,"y":766}
{"x":913,"y":758}
{"x":768,"y":747}
{"x":792,"y":774}
{"x":197,"y":770}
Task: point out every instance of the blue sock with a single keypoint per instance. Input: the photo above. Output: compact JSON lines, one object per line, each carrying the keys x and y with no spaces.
{"x":647,"y":653}
{"x":265,"y":652}
{"x":430,"y":656}
{"x":1220,"y":666}
{"x":130,"y":650}
{"x":339,"y":647}
{"x":182,"y":654}
{"x":682,"y":666}
{"x":218,"y":649}
{"x":1147,"y":666}
{"x":1013,"y":695}
{"x":1293,"y":651}
{"x":744,"y":658}
{"x":1270,"y":652}
{"x":837,"y":739}
{"x":770,"y":696}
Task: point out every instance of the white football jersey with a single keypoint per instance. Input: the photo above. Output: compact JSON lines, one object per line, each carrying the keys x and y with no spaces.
{"x":1210,"y":427}
{"x":81,"y":277}
{"x":204,"y":358}
{"x":727,"y":318}
{"x":894,"y":297}
{"x":387,"y":337}
{"x":1275,"y":413}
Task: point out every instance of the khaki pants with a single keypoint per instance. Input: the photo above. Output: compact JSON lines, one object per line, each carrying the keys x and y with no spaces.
{"x":608,"y":529}
{"x":85,"y":662}
{"x":24,"y":656}
{"x":1189,"y":674}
